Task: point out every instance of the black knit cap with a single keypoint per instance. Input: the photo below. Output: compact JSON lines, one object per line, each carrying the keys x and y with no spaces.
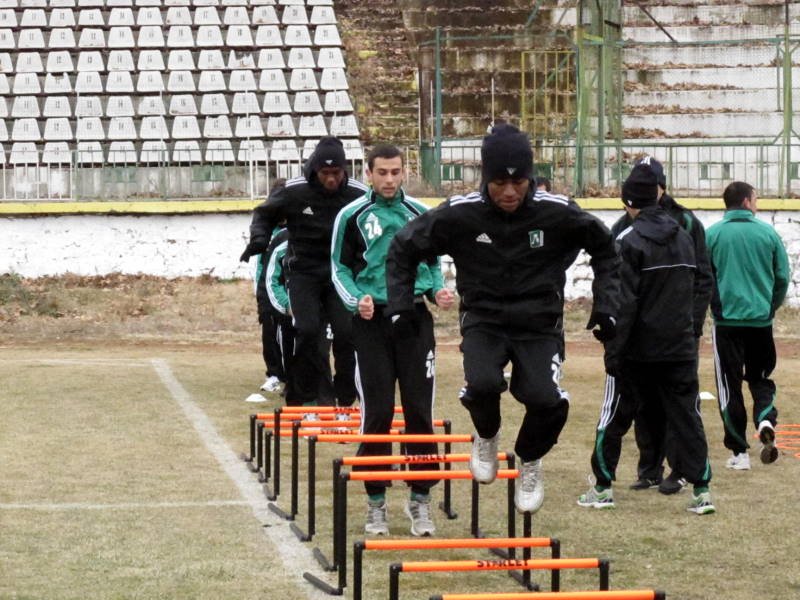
{"x":641,"y":187}
{"x":506,"y":154}
{"x":328,"y":153}
{"x":657,"y":168}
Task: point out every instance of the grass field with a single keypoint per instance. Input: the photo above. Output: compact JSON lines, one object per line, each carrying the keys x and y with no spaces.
{"x":119,"y":475}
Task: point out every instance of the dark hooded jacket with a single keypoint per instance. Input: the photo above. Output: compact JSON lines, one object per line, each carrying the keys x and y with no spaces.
{"x":309,"y":211}
{"x":656,"y":318}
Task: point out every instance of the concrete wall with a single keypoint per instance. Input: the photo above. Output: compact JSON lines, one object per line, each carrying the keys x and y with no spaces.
{"x":193,"y":245}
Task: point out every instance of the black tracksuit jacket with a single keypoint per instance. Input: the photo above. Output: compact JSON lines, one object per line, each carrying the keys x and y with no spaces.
{"x":510,"y":267}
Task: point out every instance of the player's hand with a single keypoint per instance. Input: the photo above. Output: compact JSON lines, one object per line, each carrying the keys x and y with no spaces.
{"x":445,"y":298}
{"x":366,"y":307}
{"x":405,"y":324}
{"x":612,"y":365}
{"x":252,"y":249}
{"x":606,"y":326}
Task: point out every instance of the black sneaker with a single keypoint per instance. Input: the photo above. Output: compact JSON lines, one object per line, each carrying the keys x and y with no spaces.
{"x":672,"y":484}
{"x":645,"y":483}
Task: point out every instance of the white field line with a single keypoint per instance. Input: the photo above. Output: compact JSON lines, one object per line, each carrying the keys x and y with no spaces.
{"x":117,"y":362}
{"x":293,"y":554}
{"x":122,"y":505}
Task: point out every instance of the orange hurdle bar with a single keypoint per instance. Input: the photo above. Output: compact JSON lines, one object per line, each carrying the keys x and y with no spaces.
{"x":333,"y":424}
{"x":421,"y":475}
{"x":419,"y":438}
{"x":443,"y":544}
{"x":603,"y":595}
{"x":410,"y":459}
{"x":495,"y":565}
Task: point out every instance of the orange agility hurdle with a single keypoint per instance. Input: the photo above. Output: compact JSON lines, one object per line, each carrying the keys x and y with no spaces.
{"x":494,"y":565}
{"x":603,"y":595}
{"x":443,"y":544}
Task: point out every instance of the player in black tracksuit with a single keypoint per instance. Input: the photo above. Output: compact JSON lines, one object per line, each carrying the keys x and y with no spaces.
{"x":655,"y":350}
{"x":617,"y":413}
{"x":269,"y":320}
{"x":309,"y":205}
{"x":509,"y":249}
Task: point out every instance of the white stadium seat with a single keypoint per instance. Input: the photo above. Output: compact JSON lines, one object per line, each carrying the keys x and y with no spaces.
{"x":241,"y":59}
{"x":265,"y":15}
{"x":241,"y":81}
{"x":119,"y":81}
{"x":271,"y":58}
{"x":111,"y":3}
{"x":29,"y":62}
{"x":297,"y":35}
{"x":344,"y":126}
{"x":210,"y":60}
{"x":245,"y":103}
{"x":252,"y":150}
{"x":154,"y":152}
{"x":148,"y":2}
{"x":330,"y":58}
{"x":244,"y":2}
{"x":294,"y":15}
{"x":303,"y":79}
{"x":4,"y":87}
{"x":312,"y":126}
{"x":211,"y":81}
{"x":182,"y":104}
{"x":6,"y":66}
{"x":8,"y":18}
{"x":219,"y":151}
{"x":338,"y":102}
{"x":56,"y":153}
{"x":301,"y":58}
{"x":61,"y":38}
{"x":249,"y":127}
{"x":308,"y":148}
{"x":353,"y":149}
{"x":57,"y":130}
{"x":7,"y":39}
{"x":33,"y":17}
{"x":272,"y":80}
{"x":180,"y":60}
{"x":151,"y":60}
{"x":327,"y":35}
{"x":177,"y":2}
{"x":57,"y":106}
{"x":151,"y":106}
{"x":3,"y":131}
{"x":206,"y":16}
{"x":217,"y":127}
{"x":149,"y":16}
{"x":31,"y":39}
{"x":119,"y":106}
{"x":236,"y":15}
{"x":92,"y":38}
{"x":153,"y":128}
{"x":89,"y":128}
{"x":27,"y":83}
{"x":209,"y":35}
{"x":239,"y":35}
{"x":291,"y":2}
{"x":185,"y":128}
{"x":120,"y":17}
{"x":178,"y":15}
{"x":61,"y":17}
{"x":276,"y":103}
{"x":120,"y":60}
{"x":25,"y":106}
{"x":90,"y":152}
{"x":121,"y":153}
{"x":150,"y":36}
{"x":91,"y":18}
{"x":88,"y":106}
{"x":59,"y":62}
{"x":57,"y":84}
{"x":307,"y":102}
{"x":186,"y":151}
{"x":281,"y":126}
{"x":90,"y":3}
{"x":333,"y":79}
{"x":213,"y":104}
{"x":181,"y":81}
{"x":91,"y":60}
{"x":268,"y":36}
{"x":319,"y":2}
{"x":284,"y":150}
{"x":180,"y":36}
{"x":120,"y":37}
{"x":150,"y":81}
{"x":4,"y":108}
{"x":121,"y":128}
{"x":322,"y":15}
{"x":23,"y":153}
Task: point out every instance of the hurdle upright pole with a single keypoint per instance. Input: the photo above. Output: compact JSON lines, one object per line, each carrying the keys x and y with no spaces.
{"x":294,"y":477}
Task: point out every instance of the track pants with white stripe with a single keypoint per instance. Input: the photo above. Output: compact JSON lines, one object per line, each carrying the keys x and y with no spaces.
{"x":383,"y":360}
{"x":535,"y":379}
{"x":744,"y":354}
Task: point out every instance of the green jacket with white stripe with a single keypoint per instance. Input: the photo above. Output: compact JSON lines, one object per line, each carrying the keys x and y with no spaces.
{"x":750,"y":267}
{"x":362,"y":233}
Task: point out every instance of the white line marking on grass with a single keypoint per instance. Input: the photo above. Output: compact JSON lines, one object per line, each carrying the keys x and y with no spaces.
{"x":117,"y":362}
{"x":285,"y":545}
{"x":121,"y":506}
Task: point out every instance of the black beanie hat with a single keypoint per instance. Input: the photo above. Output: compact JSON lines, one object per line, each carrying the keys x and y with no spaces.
{"x":641,"y":187}
{"x":328,"y":153}
{"x":657,"y":168}
{"x":506,"y":154}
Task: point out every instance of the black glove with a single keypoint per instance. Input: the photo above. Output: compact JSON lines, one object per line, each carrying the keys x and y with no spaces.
{"x":252,"y":249}
{"x":606,"y":326}
{"x":405,"y":324}
{"x":612,"y":365}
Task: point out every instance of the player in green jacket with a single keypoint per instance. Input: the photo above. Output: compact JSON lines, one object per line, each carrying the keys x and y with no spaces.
{"x":400,"y":349}
{"x":751,"y":276}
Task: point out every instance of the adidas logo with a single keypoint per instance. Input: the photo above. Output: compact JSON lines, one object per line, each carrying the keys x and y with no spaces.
{"x":307,"y":211}
{"x":483,"y":239}
{"x":329,"y":161}
{"x":511,"y":170}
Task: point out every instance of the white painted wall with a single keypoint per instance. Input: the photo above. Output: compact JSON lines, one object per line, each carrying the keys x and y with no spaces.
{"x":193,"y":245}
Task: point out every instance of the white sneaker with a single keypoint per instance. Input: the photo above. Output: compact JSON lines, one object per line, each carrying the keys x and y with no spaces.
{"x":272,"y":384}
{"x":376,"y":523}
{"x":419,"y":511}
{"x":483,"y":460}
{"x":739,"y":462}
{"x":766,"y":433}
{"x":530,"y":487}
{"x":342,"y":417}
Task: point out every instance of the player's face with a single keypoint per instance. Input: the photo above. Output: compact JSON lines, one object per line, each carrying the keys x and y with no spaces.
{"x":508,"y":194}
{"x":331,"y":178}
{"x":386,"y":176}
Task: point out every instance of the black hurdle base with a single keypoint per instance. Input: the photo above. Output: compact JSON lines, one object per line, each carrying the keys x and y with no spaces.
{"x":322,"y":585}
